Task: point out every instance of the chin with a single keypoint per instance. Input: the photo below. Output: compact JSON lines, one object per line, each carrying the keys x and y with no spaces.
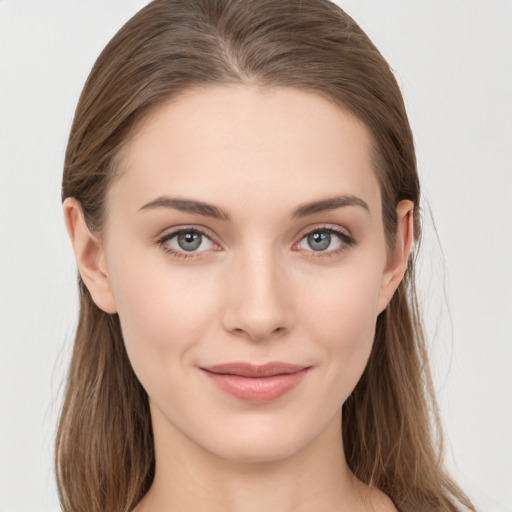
{"x":260,"y":450}
{"x":261,"y":439}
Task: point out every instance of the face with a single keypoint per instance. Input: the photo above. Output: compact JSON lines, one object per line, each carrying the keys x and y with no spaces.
{"x":245,"y":255}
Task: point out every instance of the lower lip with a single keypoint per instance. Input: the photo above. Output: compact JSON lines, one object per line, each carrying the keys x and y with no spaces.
{"x":257,"y":389}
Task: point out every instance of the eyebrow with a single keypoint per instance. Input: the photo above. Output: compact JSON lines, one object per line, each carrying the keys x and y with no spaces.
{"x":210,"y":210}
{"x":187,"y":206}
{"x":327,"y":204}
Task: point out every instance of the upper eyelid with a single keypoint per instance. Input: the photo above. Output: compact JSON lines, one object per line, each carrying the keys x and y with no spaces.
{"x":345,"y":237}
{"x":172,"y":232}
{"x":325,"y":227}
{"x":343,"y":233}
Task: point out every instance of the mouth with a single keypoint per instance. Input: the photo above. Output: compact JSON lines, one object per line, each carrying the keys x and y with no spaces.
{"x":256,"y":383}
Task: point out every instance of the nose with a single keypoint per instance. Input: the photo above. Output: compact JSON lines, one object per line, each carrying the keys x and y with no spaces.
{"x":258,"y":302}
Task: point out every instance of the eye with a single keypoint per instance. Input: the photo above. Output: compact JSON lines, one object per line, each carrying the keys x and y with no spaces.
{"x":326,"y":240}
{"x":186,"y":242}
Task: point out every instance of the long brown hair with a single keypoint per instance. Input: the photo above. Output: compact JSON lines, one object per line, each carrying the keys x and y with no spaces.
{"x":391,"y":431}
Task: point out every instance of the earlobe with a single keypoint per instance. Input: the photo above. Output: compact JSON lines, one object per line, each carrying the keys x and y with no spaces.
{"x":89,"y":255}
{"x":396,"y":264}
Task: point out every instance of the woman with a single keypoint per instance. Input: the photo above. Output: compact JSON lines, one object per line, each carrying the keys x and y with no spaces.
{"x":241,"y":194}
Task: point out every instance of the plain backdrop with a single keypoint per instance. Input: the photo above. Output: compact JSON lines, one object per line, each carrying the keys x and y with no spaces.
{"x":453,"y":60}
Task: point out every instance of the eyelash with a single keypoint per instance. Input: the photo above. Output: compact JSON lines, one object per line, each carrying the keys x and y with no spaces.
{"x":346,"y":240}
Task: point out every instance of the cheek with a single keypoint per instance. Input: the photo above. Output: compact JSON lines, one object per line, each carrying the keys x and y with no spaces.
{"x":162,"y":313}
{"x":343,"y":319}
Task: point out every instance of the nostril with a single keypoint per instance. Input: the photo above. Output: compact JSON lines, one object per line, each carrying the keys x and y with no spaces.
{"x":258,"y":334}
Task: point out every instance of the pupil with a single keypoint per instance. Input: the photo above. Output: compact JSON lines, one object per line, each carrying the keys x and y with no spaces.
{"x":189,"y":241}
{"x":319,"y":241}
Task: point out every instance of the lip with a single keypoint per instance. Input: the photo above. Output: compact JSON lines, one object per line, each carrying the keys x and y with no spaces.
{"x":256,"y":383}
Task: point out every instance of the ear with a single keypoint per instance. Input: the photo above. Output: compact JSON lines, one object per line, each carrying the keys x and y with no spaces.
{"x":398,"y":256}
{"x":90,"y":257}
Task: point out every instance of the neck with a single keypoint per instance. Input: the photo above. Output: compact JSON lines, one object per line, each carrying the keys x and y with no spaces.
{"x":314,"y":478}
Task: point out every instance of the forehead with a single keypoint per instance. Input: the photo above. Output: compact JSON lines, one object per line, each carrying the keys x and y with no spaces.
{"x":229,"y":143}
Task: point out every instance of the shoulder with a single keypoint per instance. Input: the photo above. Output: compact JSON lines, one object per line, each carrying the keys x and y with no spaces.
{"x":373,"y":499}
{"x":380,"y":502}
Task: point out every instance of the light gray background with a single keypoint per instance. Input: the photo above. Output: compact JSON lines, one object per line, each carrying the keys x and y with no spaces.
{"x":453,"y":59}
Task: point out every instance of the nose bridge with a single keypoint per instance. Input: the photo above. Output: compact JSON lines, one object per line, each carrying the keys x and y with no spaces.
{"x":258,"y":303}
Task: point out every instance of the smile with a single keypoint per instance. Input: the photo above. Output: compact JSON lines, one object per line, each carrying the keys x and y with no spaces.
{"x":253,"y":383}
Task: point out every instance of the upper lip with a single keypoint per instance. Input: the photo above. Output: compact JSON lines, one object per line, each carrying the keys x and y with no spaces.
{"x":253,"y":370}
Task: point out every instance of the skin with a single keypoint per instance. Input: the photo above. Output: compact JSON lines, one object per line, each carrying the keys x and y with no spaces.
{"x":255,"y":290}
